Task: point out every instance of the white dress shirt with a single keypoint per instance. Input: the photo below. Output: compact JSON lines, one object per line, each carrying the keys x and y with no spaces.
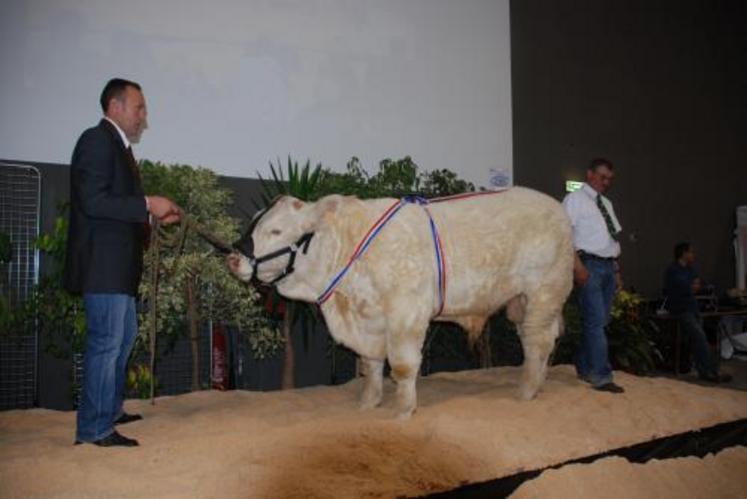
{"x":590,"y":233}
{"x":128,"y":146}
{"x":121,"y":133}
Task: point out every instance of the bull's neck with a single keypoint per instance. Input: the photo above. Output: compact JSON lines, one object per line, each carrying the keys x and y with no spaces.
{"x":313,"y":269}
{"x":335,"y":238}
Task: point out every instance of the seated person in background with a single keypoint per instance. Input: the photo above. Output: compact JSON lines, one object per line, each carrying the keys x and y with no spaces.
{"x":681,"y":283}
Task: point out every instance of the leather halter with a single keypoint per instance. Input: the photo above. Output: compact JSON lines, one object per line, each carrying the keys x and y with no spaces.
{"x":245,"y":246}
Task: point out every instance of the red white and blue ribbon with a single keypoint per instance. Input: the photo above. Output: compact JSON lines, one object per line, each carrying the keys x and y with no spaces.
{"x":361,"y":248}
{"x":465,"y":195}
{"x":376,"y":228}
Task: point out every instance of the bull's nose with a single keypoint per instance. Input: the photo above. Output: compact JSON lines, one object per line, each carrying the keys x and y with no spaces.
{"x":241,"y":266}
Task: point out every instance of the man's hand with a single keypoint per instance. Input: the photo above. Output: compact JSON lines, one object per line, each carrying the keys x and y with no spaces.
{"x":165,"y":210}
{"x":580,"y":273}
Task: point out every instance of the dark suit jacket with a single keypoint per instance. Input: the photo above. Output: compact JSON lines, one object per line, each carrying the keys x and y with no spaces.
{"x":107,"y":213}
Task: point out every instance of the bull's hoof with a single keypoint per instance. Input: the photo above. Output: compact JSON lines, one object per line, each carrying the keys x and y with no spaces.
{"x":366,"y":404}
{"x":404,"y":411}
{"x":526,"y":393}
{"x":371,"y":396}
{"x":404,"y":415}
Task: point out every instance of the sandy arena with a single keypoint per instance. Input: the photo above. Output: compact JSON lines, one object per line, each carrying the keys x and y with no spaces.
{"x":314,"y":442}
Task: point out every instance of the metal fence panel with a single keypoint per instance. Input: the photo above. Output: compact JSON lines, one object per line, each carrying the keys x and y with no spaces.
{"x":20,"y":192}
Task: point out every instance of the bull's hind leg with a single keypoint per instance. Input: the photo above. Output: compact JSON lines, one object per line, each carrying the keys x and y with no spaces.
{"x":538,"y":329}
{"x":373,"y":373}
{"x":537,"y":344}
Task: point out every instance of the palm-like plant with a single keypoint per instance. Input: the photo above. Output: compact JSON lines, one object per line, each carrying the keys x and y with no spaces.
{"x":302,"y":182}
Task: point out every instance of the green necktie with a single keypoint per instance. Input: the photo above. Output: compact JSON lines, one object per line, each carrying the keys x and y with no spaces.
{"x":607,"y":218}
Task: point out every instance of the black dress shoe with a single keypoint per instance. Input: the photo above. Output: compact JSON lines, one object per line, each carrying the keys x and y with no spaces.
{"x":127,"y":418}
{"x":609,"y":387}
{"x":113,"y":440}
{"x":716,"y":378}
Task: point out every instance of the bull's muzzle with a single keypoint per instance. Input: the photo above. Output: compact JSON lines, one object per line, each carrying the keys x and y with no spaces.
{"x":245,"y":246}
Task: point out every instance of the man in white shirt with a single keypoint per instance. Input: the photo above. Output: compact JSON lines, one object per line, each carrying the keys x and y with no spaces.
{"x":596,"y":231}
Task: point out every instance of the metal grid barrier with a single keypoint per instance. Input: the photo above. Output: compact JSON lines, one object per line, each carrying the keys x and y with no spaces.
{"x":173,"y":367}
{"x":174,"y":364}
{"x":20,"y":192}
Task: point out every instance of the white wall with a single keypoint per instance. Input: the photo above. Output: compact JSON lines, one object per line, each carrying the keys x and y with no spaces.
{"x":232,"y":84}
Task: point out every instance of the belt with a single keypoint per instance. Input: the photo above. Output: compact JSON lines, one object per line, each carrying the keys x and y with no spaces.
{"x":591,"y":256}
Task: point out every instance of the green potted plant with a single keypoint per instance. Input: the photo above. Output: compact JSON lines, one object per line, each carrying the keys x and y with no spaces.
{"x":193,"y":282}
{"x":630,"y":335}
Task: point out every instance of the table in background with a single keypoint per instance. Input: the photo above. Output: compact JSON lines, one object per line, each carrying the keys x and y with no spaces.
{"x":712,"y":314}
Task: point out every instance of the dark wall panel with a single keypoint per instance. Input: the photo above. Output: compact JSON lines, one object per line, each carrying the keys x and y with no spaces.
{"x":658,"y":88}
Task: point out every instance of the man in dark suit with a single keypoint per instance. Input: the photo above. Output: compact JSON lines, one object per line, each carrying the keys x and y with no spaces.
{"x":108,"y":223}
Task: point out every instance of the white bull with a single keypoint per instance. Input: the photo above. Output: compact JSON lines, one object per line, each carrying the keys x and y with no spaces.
{"x":511,"y":248}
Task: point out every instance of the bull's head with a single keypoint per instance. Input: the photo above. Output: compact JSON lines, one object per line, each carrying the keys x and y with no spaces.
{"x":269,"y":247}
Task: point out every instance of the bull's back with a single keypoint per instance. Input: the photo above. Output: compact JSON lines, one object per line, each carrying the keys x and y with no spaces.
{"x":500,"y":213}
{"x":500,"y":244}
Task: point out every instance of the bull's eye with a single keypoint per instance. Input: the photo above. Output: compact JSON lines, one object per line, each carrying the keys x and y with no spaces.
{"x":275,"y":232}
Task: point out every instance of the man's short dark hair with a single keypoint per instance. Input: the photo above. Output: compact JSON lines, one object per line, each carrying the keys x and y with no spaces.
{"x":597,"y":163}
{"x":680,"y":249}
{"x":114,"y":89}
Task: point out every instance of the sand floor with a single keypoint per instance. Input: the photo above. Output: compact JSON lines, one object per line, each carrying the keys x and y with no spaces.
{"x":721,"y":475}
{"x":314,"y":442}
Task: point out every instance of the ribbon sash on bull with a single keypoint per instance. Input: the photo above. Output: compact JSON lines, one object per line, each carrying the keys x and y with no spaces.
{"x":377,"y":227}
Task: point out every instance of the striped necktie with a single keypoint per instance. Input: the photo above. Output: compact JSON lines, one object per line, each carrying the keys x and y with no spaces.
{"x":607,"y":218}
{"x":133,"y":166}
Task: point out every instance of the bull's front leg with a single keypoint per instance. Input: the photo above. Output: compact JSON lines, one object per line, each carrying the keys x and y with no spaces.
{"x":404,"y":351}
{"x":373,"y":388}
{"x":366,"y":336}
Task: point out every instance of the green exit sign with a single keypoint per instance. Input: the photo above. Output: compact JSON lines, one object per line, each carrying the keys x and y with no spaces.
{"x":572,"y":185}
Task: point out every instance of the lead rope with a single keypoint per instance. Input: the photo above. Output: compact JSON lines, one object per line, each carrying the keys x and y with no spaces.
{"x":153,"y":304}
{"x":177,"y":241}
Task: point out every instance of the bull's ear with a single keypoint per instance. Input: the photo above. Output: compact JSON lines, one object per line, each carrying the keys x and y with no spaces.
{"x":297,"y":204}
{"x":289,"y":201}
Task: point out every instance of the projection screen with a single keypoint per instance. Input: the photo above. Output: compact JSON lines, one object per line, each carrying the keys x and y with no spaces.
{"x":234,"y":84}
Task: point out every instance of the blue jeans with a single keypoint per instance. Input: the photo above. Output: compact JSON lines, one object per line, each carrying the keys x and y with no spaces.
{"x":111,"y":329}
{"x":595,"y":300}
{"x":692,"y":327}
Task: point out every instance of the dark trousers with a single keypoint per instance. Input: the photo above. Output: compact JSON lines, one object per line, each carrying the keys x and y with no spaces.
{"x":691,"y":326}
